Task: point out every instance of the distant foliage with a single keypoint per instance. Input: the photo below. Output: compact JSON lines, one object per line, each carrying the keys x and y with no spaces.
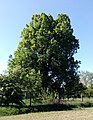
{"x":86,"y":78}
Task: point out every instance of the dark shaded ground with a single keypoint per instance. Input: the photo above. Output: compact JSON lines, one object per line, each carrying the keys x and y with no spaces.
{"x":52,"y":107}
{"x":13,"y":110}
{"x":60,"y":107}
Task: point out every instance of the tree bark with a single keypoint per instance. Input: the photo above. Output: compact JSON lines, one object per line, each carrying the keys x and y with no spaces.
{"x":30,"y":99}
{"x":81,"y":97}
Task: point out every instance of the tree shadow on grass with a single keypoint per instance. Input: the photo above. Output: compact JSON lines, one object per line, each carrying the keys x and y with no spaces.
{"x":60,"y":107}
{"x":52,"y":107}
{"x":43,"y":108}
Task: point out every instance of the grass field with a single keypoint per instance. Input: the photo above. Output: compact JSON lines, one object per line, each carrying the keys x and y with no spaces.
{"x":81,"y":114}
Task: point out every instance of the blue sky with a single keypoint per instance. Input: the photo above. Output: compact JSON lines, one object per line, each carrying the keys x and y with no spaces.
{"x":15,"y":14}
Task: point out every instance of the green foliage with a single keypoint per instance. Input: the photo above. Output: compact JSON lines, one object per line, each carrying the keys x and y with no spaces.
{"x":44,"y":57}
{"x":7,"y":111}
{"x":10,"y":91}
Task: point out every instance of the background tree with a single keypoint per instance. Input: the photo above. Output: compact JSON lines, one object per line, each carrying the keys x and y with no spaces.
{"x":86,"y":78}
{"x":45,"y":54}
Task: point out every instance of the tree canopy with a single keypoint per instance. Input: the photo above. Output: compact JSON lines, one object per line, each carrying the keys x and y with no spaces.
{"x":45,"y":55}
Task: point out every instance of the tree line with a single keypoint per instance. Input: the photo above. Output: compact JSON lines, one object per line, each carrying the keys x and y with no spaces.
{"x":43,"y":63}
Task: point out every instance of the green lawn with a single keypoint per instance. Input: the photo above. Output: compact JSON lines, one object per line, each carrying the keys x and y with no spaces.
{"x":82,"y":114}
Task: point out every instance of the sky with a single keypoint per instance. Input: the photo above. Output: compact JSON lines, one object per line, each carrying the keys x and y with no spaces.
{"x":15,"y":14}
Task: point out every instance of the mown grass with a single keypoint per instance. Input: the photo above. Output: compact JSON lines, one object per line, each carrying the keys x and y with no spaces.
{"x":80,"y":114}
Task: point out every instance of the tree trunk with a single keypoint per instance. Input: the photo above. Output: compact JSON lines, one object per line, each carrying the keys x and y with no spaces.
{"x":30,"y":99}
{"x":81,"y":97}
{"x":59,"y":98}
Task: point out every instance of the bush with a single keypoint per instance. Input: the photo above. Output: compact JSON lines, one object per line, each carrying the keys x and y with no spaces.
{"x":86,"y":104}
{"x":6,"y":111}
